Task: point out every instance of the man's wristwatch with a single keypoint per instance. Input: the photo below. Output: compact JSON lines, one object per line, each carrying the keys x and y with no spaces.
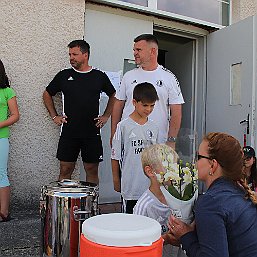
{"x":171,"y":139}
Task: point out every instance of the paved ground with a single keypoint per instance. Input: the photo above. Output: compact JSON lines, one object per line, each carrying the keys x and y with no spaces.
{"x":21,"y":236}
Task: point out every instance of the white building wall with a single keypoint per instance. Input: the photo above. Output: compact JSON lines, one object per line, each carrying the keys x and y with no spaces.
{"x":111,"y":33}
{"x":33,"y":38}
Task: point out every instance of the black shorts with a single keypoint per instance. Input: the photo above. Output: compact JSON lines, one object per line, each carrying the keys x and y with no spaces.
{"x":130,"y":204}
{"x":91,"y":149}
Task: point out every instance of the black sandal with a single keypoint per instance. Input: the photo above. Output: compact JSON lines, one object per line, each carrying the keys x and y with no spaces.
{"x":5,"y":218}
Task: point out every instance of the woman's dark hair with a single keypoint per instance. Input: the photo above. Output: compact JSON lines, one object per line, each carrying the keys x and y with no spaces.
{"x":4,"y":81}
{"x":227,"y":151}
{"x":253,"y":175}
{"x":252,"y":179}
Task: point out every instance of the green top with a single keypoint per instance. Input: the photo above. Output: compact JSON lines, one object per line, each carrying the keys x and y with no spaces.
{"x":5,"y":95}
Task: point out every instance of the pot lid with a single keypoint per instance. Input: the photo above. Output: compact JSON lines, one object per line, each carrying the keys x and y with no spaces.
{"x":72,"y":186}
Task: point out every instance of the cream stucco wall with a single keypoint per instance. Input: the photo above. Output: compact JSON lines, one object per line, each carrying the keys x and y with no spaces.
{"x":242,"y":9}
{"x":33,"y":38}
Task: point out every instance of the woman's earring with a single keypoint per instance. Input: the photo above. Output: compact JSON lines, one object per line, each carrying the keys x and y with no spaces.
{"x":210,"y":173}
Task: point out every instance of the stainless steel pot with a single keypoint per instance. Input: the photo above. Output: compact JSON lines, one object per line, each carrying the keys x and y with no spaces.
{"x":63,"y":207}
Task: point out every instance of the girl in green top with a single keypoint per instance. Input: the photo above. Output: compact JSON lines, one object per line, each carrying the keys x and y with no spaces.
{"x":9,"y":114}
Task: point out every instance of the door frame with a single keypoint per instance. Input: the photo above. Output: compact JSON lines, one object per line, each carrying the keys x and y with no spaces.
{"x":199,"y":87}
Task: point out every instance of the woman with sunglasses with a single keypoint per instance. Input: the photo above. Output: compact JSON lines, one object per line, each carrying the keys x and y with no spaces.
{"x":9,"y":114}
{"x":226,"y":215}
{"x":250,"y":170}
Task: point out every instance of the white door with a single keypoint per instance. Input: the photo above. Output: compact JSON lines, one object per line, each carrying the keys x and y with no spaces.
{"x":231,"y":80}
{"x":110,"y":34}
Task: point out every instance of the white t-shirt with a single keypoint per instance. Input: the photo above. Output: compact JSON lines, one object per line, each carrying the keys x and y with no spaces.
{"x":167,"y":87}
{"x":149,"y":205}
{"x":128,"y":142}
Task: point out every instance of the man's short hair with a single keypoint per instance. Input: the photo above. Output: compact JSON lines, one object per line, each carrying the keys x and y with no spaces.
{"x":145,"y":92}
{"x":148,"y":38}
{"x":82,"y":44}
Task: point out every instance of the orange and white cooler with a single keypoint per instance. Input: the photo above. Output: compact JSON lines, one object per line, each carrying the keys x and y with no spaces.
{"x":120,"y":235}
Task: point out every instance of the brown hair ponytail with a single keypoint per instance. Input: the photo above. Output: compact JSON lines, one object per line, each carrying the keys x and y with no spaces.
{"x":227,"y":151}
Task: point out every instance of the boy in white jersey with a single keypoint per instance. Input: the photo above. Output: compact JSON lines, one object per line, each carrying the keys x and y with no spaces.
{"x":154,"y":203}
{"x":132,"y":135}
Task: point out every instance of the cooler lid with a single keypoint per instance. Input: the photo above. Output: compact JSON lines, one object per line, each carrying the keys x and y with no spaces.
{"x":120,"y":229}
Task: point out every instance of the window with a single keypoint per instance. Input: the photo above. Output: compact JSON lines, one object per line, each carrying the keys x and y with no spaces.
{"x":235,"y":84}
{"x":139,"y":2}
{"x":207,"y":10}
{"x":214,"y":11}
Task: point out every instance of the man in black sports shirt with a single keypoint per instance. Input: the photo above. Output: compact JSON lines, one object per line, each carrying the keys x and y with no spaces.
{"x":81,"y":86}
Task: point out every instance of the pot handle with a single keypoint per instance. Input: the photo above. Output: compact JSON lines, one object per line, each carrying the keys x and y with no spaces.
{"x":42,"y":202}
{"x":78,"y":212}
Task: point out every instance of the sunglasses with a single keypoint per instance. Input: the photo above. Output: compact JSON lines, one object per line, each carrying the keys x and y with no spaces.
{"x":199,"y":156}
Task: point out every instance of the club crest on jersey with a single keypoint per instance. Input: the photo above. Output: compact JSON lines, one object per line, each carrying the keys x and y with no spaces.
{"x":159,"y":83}
{"x":113,"y":152}
{"x":150,"y":134}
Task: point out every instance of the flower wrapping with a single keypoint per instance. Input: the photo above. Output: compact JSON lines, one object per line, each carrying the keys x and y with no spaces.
{"x":181,"y":185}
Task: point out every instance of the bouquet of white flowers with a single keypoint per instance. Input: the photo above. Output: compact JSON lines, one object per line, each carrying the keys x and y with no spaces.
{"x":181,"y":183}
{"x":182,"y":178}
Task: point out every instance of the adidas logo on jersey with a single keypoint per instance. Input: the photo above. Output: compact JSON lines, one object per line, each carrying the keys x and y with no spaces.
{"x":132,"y":135}
{"x":70,"y":78}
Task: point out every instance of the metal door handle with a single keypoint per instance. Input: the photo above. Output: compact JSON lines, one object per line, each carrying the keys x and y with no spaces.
{"x":247,"y":123}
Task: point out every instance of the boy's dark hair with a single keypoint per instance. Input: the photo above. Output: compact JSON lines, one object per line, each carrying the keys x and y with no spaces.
{"x":145,"y":92}
{"x":147,"y":37}
{"x":4,"y":82}
{"x":82,"y":44}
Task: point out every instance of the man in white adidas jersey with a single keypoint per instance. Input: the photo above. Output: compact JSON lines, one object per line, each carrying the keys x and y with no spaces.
{"x":167,"y":113}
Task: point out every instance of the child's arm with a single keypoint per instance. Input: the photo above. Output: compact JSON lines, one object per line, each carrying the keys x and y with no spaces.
{"x":116,"y":175}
